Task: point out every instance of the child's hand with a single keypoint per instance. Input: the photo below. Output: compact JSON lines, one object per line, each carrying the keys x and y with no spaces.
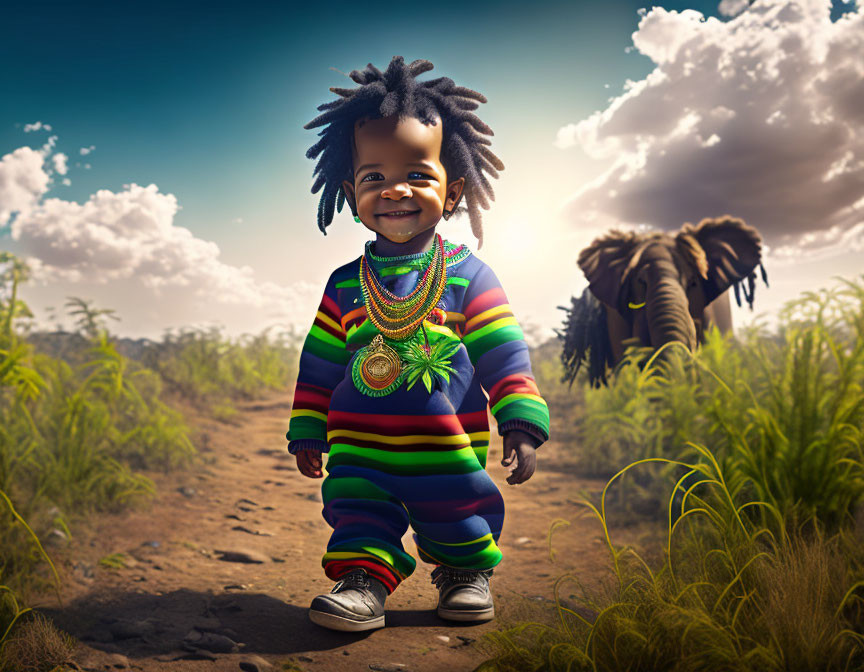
{"x":519,"y":446}
{"x":309,"y":463}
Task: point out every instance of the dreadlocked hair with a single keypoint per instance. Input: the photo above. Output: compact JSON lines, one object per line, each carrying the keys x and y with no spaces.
{"x":464,"y":149}
{"x":585,"y":340}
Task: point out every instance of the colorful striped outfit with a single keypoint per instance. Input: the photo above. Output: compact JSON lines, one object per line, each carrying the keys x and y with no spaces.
{"x":411,"y":457}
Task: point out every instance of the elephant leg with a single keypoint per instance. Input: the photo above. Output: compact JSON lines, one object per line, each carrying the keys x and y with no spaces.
{"x":718,"y":313}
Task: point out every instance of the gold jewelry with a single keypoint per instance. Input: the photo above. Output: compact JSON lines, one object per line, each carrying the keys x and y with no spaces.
{"x":380,"y":368}
{"x":398,"y":317}
{"x":377,"y":369}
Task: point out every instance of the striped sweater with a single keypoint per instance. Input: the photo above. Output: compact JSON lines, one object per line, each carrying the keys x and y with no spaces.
{"x":492,"y":360}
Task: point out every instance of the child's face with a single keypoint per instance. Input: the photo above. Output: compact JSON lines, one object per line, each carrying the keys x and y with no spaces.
{"x":400,"y":187}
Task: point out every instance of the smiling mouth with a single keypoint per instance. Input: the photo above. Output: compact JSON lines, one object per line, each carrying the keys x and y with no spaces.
{"x":398,"y":214}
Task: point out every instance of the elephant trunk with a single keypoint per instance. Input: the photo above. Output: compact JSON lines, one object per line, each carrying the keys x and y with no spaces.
{"x":669,"y":312}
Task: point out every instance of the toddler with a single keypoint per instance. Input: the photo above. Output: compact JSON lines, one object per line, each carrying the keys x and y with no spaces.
{"x":408,"y":341}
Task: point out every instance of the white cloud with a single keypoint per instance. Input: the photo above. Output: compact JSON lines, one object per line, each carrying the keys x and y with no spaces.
{"x":60,"y":165}
{"x":124,"y":249}
{"x":662,"y":34}
{"x":761,"y":117}
{"x":48,"y":147}
{"x":129,"y":239}
{"x":23,"y":180}
{"x":36,"y":126}
{"x":732,"y":7}
{"x":84,"y":151}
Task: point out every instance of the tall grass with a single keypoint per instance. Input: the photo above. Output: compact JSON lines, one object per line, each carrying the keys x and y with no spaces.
{"x":10,"y":610}
{"x":71,"y":438}
{"x":803,"y":445}
{"x":213,"y":371}
{"x":760,"y":568}
{"x":785,"y":411}
{"x":730,"y":594}
{"x":76,"y":430}
{"x":74,"y":437}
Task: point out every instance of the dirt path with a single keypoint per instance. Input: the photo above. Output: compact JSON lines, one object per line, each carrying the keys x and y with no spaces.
{"x":182,"y":605}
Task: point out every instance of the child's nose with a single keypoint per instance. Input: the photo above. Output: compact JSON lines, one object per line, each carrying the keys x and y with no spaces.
{"x":397,"y":191}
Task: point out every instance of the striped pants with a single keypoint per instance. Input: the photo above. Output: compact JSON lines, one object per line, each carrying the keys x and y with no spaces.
{"x":372,"y":495}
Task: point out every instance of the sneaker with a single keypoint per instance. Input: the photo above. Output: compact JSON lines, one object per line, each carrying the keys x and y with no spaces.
{"x":356,"y":603}
{"x":463,"y":594}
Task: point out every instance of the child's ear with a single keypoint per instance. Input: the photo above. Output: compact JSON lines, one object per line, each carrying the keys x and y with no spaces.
{"x":348,"y":188}
{"x":454,"y":194}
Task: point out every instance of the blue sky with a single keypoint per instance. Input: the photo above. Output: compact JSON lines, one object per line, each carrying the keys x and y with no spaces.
{"x":207,"y":101}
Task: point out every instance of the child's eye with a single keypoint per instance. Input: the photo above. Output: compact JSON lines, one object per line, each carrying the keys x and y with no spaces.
{"x":369,"y":177}
{"x":415,"y":175}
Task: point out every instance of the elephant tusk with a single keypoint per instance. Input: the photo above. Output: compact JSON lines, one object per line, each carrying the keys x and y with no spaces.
{"x":636,"y":306}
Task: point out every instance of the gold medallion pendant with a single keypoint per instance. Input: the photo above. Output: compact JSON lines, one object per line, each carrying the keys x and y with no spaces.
{"x":377,"y":369}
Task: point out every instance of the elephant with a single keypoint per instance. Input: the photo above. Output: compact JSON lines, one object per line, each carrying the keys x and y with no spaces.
{"x":653,"y":288}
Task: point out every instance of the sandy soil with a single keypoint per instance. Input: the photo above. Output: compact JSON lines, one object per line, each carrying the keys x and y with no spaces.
{"x":183,"y":604}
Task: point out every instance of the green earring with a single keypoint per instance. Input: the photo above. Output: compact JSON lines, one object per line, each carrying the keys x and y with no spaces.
{"x":356,"y":219}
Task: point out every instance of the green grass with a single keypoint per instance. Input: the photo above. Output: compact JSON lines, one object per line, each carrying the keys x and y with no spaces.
{"x":784,"y":412}
{"x":760,"y":569}
{"x":72,"y":439}
{"x":10,"y":610}
{"x":79,"y":426}
{"x":214,"y":372}
{"x":730,"y":594}
{"x":113,"y":561}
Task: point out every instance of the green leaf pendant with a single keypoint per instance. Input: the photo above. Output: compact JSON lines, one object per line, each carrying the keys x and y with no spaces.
{"x":427,"y":363}
{"x":383,"y":365}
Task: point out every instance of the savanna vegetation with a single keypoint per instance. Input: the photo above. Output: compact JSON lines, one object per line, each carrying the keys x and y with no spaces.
{"x":81,"y":424}
{"x":753,"y":452}
{"x":760,"y":437}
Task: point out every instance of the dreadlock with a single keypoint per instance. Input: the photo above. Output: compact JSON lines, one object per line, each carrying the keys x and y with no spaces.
{"x":585,"y":340}
{"x":464,"y":148}
{"x":749,"y":289}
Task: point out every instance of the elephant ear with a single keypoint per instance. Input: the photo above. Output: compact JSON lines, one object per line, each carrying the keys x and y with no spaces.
{"x":606,"y":265}
{"x":732,"y":250}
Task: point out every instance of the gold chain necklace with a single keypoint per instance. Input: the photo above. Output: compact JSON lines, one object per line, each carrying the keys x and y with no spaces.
{"x":398,"y":317}
{"x":378,"y":369}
